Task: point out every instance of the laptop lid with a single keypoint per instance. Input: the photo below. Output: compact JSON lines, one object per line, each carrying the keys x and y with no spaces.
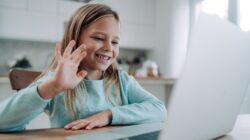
{"x":207,"y":97}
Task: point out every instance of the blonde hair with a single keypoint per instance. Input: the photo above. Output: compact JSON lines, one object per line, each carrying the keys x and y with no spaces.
{"x":78,"y":22}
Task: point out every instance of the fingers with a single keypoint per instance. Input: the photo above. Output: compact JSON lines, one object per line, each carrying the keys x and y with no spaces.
{"x":80,"y":57}
{"x":79,"y":54}
{"x":82,"y":74}
{"x":70,"y":125}
{"x":79,"y":50}
{"x":69,"y":48}
{"x":91,"y":125}
{"x":58,"y":54}
{"x":97,"y":120}
{"x":77,"y":125}
{"x":81,"y":124}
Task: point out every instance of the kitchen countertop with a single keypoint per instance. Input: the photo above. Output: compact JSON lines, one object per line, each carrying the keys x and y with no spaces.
{"x":146,"y":80}
{"x":156,"y":80}
{"x":4,"y":80}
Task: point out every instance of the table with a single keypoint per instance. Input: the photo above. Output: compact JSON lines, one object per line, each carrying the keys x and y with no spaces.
{"x":48,"y":134}
{"x":241,"y":131}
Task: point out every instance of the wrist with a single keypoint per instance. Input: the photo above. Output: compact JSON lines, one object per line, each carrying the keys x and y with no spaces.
{"x":110,"y":116}
{"x":55,"y":86}
{"x":49,"y":89}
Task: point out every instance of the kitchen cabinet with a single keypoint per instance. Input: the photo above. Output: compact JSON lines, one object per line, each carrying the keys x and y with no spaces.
{"x":23,"y":25}
{"x":46,"y":20}
{"x":65,"y":10}
{"x":35,"y":20}
{"x":137,"y":22}
{"x":159,"y":87}
{"x":28,"y":20}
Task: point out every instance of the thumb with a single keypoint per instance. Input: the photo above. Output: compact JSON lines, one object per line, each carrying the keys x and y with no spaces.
{"x":81,"y":74}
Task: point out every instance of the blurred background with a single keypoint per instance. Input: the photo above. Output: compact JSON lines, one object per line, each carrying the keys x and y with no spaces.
{"x":154,"y":35}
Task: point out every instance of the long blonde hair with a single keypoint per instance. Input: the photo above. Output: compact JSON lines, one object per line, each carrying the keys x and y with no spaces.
{"x":78,"y":22}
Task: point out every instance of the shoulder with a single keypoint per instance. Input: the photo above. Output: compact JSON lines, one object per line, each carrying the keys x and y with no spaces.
{"x":126,"y":79}
{"x":124,"y":76}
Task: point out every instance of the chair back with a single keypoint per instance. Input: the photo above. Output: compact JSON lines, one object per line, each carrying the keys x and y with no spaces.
{"x":20,"y":78}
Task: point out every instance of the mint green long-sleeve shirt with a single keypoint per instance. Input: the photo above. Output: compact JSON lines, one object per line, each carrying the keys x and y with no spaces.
{"x":138,"y":105}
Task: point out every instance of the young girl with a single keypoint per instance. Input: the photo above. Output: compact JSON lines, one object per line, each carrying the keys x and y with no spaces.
{"x":83,"y":87}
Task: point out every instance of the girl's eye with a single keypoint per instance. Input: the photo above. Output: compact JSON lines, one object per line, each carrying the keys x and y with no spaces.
{"x":115,"y":42}
{"x":98,"y":38}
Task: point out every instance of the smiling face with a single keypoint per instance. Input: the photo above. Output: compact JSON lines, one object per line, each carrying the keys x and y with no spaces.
{"x":102,"y":40}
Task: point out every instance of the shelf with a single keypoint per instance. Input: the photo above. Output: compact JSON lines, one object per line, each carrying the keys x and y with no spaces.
{"x":156,"y":80}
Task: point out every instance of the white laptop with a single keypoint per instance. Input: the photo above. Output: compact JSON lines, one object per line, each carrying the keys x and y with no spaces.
{"x":208,"y":95}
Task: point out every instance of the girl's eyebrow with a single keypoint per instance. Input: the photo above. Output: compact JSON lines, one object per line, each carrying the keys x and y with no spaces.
{"x":102,"y":33}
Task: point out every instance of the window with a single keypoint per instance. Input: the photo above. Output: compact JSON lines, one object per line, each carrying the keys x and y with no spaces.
{"x":240,"y":13}
{"x":244,"y":18}
{"x":218,"y":7}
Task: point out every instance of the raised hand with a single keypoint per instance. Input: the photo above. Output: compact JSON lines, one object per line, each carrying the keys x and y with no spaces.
{"x":98,"y":120}
{"x":66,"y":72}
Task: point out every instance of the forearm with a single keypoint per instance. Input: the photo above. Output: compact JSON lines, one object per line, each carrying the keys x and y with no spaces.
{"x":22,"y":107}
{"x":49,"y":89}
{"x":137,"y":113}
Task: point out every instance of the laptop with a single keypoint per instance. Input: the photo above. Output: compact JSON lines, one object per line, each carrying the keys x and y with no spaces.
{"x":208,"y":95}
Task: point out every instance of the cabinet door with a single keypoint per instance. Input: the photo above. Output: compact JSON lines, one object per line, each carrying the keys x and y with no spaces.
{"x":28,"y":20}
{"x":21,"y":24}
{"x":65,"y":10}
{"x":35,"y":20}
{"x":137,"y":22}
{"x":161,"y":89}
{"x":138,"y":36}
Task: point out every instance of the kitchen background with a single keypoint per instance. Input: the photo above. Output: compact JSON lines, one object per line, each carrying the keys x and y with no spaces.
{"x":154,"y":36}
{"x":31,"y":26}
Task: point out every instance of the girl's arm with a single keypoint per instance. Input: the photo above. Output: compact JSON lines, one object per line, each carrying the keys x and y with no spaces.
{"x":140,"y":105}
{"x":18,"y":110}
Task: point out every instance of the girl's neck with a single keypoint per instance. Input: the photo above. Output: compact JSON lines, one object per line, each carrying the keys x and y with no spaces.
{"x":94,"y":75}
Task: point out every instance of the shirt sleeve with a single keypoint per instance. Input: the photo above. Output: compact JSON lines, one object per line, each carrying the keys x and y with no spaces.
{"x":18,"y":110}
{"x":141,"y":106}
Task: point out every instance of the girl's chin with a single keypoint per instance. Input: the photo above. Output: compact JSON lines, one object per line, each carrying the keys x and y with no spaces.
{"x":98,"y":66}
{"x":102,"y":68}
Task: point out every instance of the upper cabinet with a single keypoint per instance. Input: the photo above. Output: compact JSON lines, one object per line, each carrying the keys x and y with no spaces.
{"x":45,"y":20}
{"x":35,"y":19}
{"x":137,"y":22}
{"x":28,"y":20}
{"x":65,"y":11}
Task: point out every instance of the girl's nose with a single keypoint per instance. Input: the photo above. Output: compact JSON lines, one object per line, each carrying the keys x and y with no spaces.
{"x":108,"y":47}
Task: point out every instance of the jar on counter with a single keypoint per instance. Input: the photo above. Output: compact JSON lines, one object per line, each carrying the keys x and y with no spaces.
{"x":152,"y":70}
{"x":149,"y":69}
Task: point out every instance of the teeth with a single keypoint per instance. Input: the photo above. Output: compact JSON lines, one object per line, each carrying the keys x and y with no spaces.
{"x":103,"y":57}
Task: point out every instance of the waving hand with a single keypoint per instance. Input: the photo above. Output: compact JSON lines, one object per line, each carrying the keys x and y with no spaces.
{"x":66,"y":75}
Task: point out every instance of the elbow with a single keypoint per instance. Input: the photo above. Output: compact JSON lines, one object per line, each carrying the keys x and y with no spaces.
{"x":163,"y":112}
{"x":161,"y":115}
{"x":12,"y":129}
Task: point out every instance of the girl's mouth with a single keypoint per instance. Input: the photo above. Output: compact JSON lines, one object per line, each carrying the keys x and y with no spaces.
{"x":103,"y":58}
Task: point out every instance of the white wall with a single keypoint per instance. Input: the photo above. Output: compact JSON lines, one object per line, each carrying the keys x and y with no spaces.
{"x":172,"y":30}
